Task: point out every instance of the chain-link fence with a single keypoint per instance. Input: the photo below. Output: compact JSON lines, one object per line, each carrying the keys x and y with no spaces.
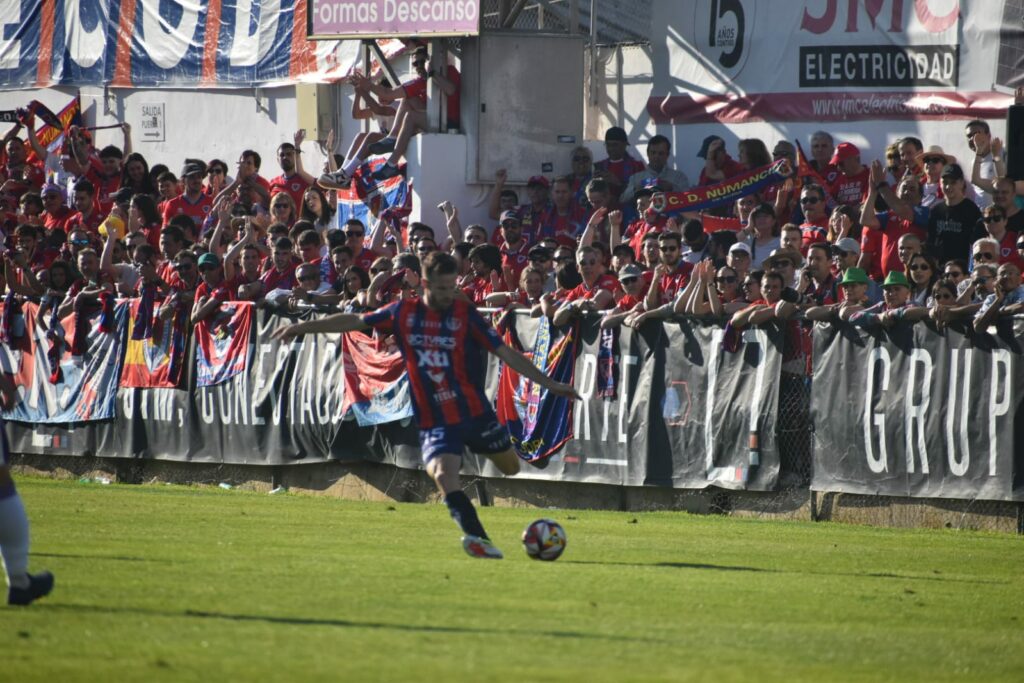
{"x":617,"y":22}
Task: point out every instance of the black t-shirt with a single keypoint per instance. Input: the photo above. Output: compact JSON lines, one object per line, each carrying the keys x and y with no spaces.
{"x":951,"y":230}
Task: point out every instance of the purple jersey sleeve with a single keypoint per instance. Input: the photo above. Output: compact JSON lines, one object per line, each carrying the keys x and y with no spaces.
{"x":482,"y":331}
{"x":383,"y":319}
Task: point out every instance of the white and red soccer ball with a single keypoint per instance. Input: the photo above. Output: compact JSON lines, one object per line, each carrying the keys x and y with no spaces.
{"x":544,"y":539}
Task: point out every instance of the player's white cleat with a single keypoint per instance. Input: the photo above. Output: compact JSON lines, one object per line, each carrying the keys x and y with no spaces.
{"x":482,"y":548}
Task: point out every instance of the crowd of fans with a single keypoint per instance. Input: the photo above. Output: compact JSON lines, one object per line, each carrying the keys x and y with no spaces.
{"x":915,"y":235}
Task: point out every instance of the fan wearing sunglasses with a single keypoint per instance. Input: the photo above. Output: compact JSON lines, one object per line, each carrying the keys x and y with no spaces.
{"x":1007,"y":299}
{"x":595,"y":293}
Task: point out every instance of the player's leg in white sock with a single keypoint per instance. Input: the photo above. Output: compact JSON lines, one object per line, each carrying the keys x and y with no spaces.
{"x":14,"y":536}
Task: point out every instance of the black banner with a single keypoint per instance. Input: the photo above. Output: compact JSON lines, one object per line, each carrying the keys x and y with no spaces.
{"x":911,"y":411}
{"x":914,"y":411}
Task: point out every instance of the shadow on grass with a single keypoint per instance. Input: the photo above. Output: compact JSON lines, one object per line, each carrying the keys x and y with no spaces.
{"x":118,"y":558}
{"x":740,"y":568}
{"x":676,"y":565}
{"x":345,"y":623}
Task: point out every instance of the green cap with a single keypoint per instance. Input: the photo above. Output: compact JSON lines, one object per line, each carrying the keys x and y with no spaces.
{"x":854,"y":276}
{"x":208,"y":259}
{"x":896,"y":278}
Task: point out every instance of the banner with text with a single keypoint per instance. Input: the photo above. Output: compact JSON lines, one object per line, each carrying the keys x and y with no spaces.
{"x":915,"y":412}
{"x":736,"y":61}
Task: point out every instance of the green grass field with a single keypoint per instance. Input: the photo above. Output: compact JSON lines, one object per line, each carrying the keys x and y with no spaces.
{"x":174,"y":583}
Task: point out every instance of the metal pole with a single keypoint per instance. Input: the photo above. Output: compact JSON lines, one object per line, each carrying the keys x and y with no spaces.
{"x":593,"y":52}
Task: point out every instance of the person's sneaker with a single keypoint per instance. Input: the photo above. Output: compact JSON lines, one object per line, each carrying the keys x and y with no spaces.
{"x":382,"y":146}
{"x":475,"y":546}
{"x":39,"y":585}
{"x":339,"y":180}
{"x":386,"y":171}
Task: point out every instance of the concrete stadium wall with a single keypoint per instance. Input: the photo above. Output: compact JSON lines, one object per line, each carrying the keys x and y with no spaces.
{"x":373,"y":482}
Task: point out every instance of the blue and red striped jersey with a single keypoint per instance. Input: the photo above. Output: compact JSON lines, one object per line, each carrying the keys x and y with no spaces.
{"x":445,"y":355}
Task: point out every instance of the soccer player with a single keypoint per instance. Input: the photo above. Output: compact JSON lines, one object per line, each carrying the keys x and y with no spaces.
{"x":443,"y":340}
{"x":22,"y":588}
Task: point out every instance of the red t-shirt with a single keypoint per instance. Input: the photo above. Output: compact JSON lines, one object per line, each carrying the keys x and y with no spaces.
{"x":851,"y":190}
{"x":58,"y":220}
{"x":197,"y":211}
{"x":564,"y":228}
{"x":90,"y":223}
{"x":623,"y":169}
{"x":105,"y":185}
{"x":639,"y":229}
{"x":811,"y":233}
{"x":730,"y":168}
{"x":294,"y":185}
{"x":515,"y":259}
{"x":276,"y":279}
{"x":365,"y":259}
{"x":29,"y":177}
{"x":417,"y":89}
{"x":674,"y":282}
{"x":478,"y":289}
{"x":582,"y":291}
{"x":892,"y":228}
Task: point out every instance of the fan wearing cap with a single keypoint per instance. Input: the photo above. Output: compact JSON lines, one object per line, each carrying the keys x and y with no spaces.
{"x":932,"y":160}
{"x":846,"y":254}
{"x":952,"y":223}
{"x":851,"y":185}
{"x":645,"y":224}
{"x":564,"y":219}
{"x":853,"y":286}
{"x":894,"y":307}
{"x":618,"y":167}
{"x":192,"y":202}
{"x":212,"y":291}
{"x":904,"y":216}
{"x":631,"y":302}
{"x":718,"y":165}
{"x":514,"y":249}
{"x":658,"y":171}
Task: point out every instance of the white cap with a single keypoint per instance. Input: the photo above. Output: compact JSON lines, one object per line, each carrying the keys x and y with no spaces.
{"x":741,"y":246}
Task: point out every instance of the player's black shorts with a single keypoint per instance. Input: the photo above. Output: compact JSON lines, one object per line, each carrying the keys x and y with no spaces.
{"x":483,"y":434}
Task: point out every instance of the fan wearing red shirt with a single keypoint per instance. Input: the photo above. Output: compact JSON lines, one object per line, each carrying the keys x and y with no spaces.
{"x":355,"y":239}
{"x":55,"y":214}
{"x":88,"y":216}
{"x":619,"y":167}
{"x":444,"y":343}
{"x":643,"y":226}
{"x":104,"y":172}
{"x":18,"y":175}
{"x":280,"y":276}
{"x":595,"y":293}
{"x":193,"y":202}
{"x":411,"y":117}
{"x":213,"y":290}
{"x":294,"y":179}
{"x":851,"y":185}
{"x":515,"y":248}
{"x":485,"y":261}
{"x":815,"y":225}
{"x":671,"y":275}
{"x":564,"y":219}
{"x":905,"y":216}
{"x":718,"y":165}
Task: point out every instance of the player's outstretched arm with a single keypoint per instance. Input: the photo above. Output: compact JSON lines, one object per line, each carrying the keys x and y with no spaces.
{"x":524,"y":367}
{"x":339,"y":322}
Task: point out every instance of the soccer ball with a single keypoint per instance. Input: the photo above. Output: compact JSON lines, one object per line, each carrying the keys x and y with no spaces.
{"x":544,"y":540}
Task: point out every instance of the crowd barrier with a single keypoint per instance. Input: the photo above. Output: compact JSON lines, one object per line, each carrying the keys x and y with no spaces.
{"x":910,"y":411}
